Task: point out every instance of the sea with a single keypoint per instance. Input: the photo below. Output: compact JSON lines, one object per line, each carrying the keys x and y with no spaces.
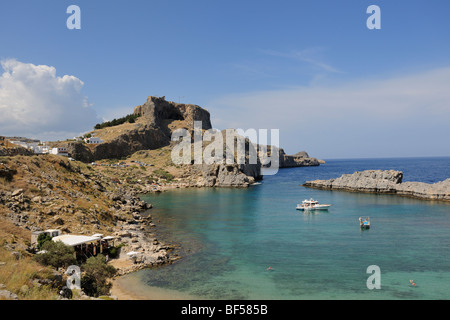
{"x":252,"y":243}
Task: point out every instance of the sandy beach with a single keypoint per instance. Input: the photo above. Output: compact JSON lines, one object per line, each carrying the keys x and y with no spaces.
{"x":130,"y":288}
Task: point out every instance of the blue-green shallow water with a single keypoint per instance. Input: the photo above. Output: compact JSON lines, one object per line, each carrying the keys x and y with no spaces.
{"x":229,"y":238}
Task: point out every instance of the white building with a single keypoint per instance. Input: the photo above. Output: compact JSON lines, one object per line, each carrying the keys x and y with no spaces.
{"x":50,"y":232}
{"x":42,"y":149}
{"x":19,"y":143}
{"x":93,"y":140}
{"x":60,"y":151}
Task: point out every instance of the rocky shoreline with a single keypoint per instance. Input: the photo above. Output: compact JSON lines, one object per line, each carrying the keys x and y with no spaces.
{"x":135,"y":232}
{"x":385,"y":182}
{"x":39,"y":193}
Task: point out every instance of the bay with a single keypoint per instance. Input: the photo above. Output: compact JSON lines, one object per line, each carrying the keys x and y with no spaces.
{"x":229,"y":238}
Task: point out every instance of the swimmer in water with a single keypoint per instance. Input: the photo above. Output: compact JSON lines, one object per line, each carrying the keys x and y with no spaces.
{"x":412,"y":283}
{"x":269,"y":269}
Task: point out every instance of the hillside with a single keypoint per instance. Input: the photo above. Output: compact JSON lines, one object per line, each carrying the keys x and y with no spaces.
{"x":51,"y":192}
{"x":153,"y":129}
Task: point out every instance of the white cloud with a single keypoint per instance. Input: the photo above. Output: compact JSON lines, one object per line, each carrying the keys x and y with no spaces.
{"x":401,"y":116}
{"x":35,"y":102}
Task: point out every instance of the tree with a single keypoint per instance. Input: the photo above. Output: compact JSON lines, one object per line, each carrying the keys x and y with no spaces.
{"x":96,"y":273}
{"x":57,"y":255}
{"x":131,"y":118}
{"x":42,"y":238}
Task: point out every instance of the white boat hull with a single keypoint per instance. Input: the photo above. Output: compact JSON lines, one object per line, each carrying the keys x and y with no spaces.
{"x":316,"y":207}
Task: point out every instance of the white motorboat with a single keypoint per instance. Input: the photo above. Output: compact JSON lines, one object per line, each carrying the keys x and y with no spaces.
{"x":312,"y":204}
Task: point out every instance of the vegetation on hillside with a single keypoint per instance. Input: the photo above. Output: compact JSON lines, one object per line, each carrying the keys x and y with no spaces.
{"x":131,"y":118}
{"x":49,"y":191}
{"x":56,"y":254}
{"x":26,"y":278}
{"x":96,"y":274}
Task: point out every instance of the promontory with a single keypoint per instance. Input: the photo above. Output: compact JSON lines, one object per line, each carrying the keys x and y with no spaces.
{"x":385,"y":182}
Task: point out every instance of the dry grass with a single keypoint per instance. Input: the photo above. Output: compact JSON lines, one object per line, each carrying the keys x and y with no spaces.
{"x":11,"y":233}
{"x":18,"y":275}
{"x":110,"y":133}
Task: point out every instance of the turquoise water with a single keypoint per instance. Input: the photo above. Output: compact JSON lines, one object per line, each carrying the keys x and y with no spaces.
{"x":229,"y":237}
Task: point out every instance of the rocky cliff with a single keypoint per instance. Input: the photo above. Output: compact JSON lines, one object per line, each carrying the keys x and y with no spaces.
{"x":153,"y":129}
{"x":388,"y":182}
{"x":240,"y":171}
{"x":9,"y":149}
{"x":157,"y":120}
{"x":161,"y":113}
{"x":300,"y":159}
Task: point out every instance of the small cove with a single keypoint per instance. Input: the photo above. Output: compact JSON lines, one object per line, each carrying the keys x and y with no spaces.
{"x":229,"y":237}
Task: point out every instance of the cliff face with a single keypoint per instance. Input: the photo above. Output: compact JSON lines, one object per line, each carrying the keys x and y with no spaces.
{"x":160,"y":112}
{"x":9,"y":149}
{"x":241,"y":173}
{"x":153,"y":130}
{"x":388,"y":181}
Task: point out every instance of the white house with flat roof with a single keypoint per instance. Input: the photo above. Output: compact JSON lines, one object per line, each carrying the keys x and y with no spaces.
{"x":93,"y":140}
{"x":60,"y":151}
{"x":50,"y":232}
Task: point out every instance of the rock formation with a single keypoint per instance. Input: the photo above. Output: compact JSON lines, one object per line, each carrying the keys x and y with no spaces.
{"x":388,"y":182}
{"x":153,"y":130}
{"x":160,"y":112}
{"x":300,"y":159}
{"x":157,"y":120}
{"x":234,"y":168}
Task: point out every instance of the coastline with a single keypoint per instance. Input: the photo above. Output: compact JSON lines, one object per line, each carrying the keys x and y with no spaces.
{"x":129,"y":288}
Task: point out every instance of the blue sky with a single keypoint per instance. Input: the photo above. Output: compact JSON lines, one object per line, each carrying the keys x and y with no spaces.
{"x":309,"y":68}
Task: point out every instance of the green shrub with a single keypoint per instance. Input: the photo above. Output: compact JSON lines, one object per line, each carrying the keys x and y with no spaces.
{"x":163,"y":174}
{"x":58,"y":255}
{"x":42,"y":238}
{"x":131,"y":118}
{"x":96,"y":273}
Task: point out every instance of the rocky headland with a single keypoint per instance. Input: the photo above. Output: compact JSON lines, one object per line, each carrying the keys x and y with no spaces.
{"x":385,"y":182}
{"x":300,"y":159}
{"x":156,"y":120}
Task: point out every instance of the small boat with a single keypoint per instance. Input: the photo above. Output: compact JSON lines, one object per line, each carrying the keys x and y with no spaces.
{"x":312,"y":204}
{"x":364,"y":222}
